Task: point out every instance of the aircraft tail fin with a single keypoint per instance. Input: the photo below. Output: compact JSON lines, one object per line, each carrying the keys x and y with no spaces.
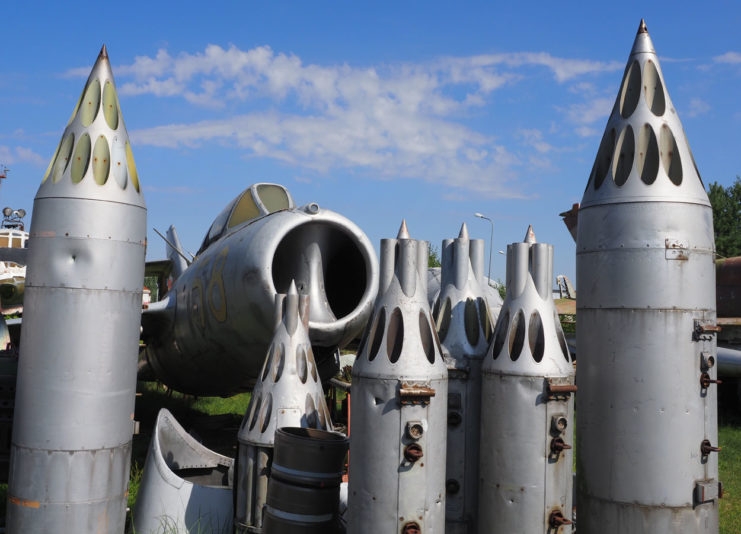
{"x":174,"y":253}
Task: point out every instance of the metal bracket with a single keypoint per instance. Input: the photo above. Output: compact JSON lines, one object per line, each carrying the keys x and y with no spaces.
{"x":708,"y":490}
{"x":411,"y":394}
{"x":704,"y":331}
{"x":555,"y":391}
{"x":676,"y":249}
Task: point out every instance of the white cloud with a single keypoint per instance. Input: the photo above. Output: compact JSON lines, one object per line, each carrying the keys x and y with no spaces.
{"x":698,"y":107}
{"x":534,"y":138}
{"x":586,"y":131}
{"x":386,"y":144}
{"x":585,"y":114}
{"x":563,"y":69}
{"x":728,"y":57}
{"x":20,"y":154}
{"x":399,"y":120}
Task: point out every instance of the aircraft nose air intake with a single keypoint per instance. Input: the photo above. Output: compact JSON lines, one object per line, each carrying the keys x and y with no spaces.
{"x":326,"y":264}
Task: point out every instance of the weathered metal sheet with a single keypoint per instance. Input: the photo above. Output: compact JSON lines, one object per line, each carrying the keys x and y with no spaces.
{"x":527,"y":405}
{"x":77,"y":368}
{"x":646,"y":330}
{"x":185,"y":488}
{"x":399,"y":403}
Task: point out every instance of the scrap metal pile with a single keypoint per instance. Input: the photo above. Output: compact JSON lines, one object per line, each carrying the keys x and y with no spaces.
{"x":462,"y":414}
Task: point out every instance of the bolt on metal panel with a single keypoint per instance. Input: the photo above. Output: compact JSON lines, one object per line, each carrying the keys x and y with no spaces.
{"x":647,"y":399}
{"x":527,"y":406}
{"x":399,"y":403}
{"x":73,"y":424}
{"x":185,"y":487}
{"x":464,"y":326}
{"x":288,"y":394}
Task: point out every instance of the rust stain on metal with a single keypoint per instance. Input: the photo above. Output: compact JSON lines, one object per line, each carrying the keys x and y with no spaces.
{"x":413,"y":452}
{"x":558,"y":445}
{"x":24,"y":502}
{"x":555,"y":391}
{"x":557,"y":519}
{"x":706,"y":447}
{"x":411,"y":528}
{"x":705,"y":381}
{"x":414,"y":394}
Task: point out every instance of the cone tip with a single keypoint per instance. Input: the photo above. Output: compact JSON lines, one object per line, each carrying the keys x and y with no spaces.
{"x":529,"y":235}
{"x":292,"y":290}
{"x":464,"y":232}
{"x":403,"y":230}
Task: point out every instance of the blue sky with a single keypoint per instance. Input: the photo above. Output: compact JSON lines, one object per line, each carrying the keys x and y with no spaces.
{"x":424,"y":110}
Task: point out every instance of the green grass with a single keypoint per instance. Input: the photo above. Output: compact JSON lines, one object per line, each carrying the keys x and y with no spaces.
{"x":729,"y":464}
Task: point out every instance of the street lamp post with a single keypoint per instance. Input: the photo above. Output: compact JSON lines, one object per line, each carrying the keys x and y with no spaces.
{"x":491,"y":239}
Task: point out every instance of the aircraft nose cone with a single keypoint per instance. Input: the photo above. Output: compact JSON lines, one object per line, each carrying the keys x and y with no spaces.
{"x":310,"y":281}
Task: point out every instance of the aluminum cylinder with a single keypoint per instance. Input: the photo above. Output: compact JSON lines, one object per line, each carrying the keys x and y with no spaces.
{"x":74,"y":413}
{"x":288,"y":393}
{"x":527,"y":406}
{"x":399,"y":403}
{"x":647,"y":400}
{"x":464,"y":326}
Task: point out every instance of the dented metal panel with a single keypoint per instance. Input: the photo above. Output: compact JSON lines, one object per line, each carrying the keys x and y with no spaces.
{"x":74,"y":413}
{"x":185,"y":487}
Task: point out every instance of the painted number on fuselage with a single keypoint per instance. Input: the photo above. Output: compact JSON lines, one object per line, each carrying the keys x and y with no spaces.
{"x":214,"y":293}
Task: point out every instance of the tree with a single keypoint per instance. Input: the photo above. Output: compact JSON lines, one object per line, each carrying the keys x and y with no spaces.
{"x":726,"y":202}
{"x":433,"y":257}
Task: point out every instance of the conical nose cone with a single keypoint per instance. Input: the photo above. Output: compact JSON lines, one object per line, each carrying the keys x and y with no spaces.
{"x":94,"y":159}
{"x":529,"y":235}
{"x":464,"y":232}
{"x":644,"y":155}
{"x":403,"y":230}
{"x":642,"y":43}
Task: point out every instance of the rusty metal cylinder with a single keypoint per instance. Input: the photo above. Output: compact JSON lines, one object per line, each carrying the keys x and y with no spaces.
{"x":304,"y":487}
{"x":399,"y":404}
{"x":309,"y":457}
{"x":527,"y":406}
{"x":74,"y":411}
{"x":646,"y":322}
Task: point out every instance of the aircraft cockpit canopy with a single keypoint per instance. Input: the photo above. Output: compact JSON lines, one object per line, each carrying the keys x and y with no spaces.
{"x":254,"y":202}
